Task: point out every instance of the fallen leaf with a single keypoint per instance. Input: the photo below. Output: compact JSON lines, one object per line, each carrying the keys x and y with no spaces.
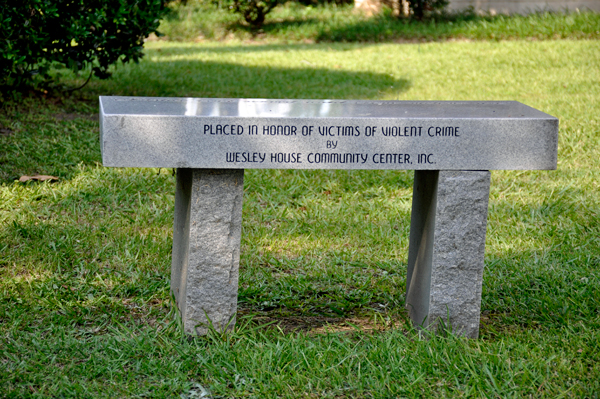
{"x":23,"y":179}
{"x":4,"y":131}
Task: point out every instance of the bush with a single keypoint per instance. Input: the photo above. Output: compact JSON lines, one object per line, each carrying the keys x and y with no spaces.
{"x":38,"y":35}
{"x":420,"y":8}
{"x":253,"y":11}
{"x":416,"y":9}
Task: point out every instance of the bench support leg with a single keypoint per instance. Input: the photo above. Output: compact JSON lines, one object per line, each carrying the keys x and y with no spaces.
{"x":206,"y":247}
{"x":446,"y":250}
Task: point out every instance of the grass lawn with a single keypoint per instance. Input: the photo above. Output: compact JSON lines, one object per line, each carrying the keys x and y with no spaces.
{"x":84,"y":262}
{"x":292,"y":22}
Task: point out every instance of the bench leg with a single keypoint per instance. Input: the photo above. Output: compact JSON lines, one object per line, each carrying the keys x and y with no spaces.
{"x":206,"y":247}
{"x":446,"y":249}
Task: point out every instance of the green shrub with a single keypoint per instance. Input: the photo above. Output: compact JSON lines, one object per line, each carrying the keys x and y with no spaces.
{"x":38,"y":35}
{"x":253,"y":11}
{"x":421,"y":8}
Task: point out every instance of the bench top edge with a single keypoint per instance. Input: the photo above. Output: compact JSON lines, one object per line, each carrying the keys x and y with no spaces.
{"x":315,"y":109}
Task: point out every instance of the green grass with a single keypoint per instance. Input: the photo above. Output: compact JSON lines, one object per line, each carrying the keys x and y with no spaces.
{"x":292,"y":22}
{"x":84,"y":262}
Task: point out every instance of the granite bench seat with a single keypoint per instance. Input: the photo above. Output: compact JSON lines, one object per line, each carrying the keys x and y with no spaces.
{"x":451,"y":146}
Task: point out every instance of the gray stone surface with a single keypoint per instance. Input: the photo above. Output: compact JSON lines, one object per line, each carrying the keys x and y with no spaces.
{"x":206,"y":247}
{"x":446,"y":249}
{"x":325,"y":134}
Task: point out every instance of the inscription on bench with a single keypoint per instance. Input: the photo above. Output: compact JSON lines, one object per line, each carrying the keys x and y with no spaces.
{"x":321,"y":134}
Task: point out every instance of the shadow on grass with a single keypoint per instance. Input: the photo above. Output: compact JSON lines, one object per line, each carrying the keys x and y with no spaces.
{"x":387,"y":28}
{"x":357,"y":28}
{"x":541,"y":25}
{"x":368,"y":30}
{"x":169,"y":73}
{"x":271,"y":26}
{"x":189,"y":49}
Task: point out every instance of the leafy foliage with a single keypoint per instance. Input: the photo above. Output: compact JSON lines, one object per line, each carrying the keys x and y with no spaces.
{"x":253,"y":11}
{"x":421,"y":8}
{"x":37,"y":35}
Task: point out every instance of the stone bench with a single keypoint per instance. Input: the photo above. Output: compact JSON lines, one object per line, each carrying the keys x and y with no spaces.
{"x":452,"y":146}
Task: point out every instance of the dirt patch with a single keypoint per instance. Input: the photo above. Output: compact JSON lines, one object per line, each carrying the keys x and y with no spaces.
{"x":4,"y":131}
{"x":325,"y":325}
{"x":147,"y":314}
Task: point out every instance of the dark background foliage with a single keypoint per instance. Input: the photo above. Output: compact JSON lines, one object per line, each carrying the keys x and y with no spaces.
{"x":255,"y":11}
{"x":36,"y":35}
{"x":420,"y":8}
